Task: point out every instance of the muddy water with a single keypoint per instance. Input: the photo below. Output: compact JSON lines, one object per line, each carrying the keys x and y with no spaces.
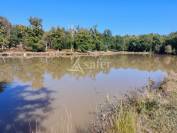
{"x":61,"y":95}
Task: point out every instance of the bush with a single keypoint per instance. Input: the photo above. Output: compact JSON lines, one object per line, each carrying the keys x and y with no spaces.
{"x":168,"y":49}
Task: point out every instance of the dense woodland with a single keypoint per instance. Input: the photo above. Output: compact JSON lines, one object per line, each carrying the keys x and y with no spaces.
{"x":34,"y":38}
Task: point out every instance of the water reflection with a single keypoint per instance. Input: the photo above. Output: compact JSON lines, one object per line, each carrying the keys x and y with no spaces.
{"x":33,"y":70}
{"x":59,"y":94}
{"x":2,"y":86}
{"x":22,"y":109}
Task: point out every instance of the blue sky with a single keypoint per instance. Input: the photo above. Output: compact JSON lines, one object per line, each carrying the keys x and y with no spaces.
{"x":121,"y":16}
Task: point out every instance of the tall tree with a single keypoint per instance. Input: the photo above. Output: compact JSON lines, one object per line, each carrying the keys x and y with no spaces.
{"x":118,"y":43}
{"x":5,"y":28}
{"x":96,"y":39}
{"x":84,"y":41}
{"x":34,"y":35}
{"x":17,"y":36}
{"x":107,"y":37}
{"x":172,"y":41}
{"x":57,"y":38}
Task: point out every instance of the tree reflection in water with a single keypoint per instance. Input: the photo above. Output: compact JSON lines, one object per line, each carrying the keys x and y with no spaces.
{"x":33,"y":70}
{"x":22,"y":109}
{"x":2,"y":84}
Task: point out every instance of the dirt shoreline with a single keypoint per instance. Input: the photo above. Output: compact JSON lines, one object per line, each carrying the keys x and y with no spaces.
{"x":66,"y":54}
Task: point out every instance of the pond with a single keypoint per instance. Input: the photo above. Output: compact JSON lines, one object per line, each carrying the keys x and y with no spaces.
{"x":55,"y":95}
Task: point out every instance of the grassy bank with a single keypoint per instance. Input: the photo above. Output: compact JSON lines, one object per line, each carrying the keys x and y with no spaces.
{"x":151,"y":110}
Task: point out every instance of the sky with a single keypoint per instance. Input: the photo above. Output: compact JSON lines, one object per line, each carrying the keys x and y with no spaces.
{"x":120,"y":16}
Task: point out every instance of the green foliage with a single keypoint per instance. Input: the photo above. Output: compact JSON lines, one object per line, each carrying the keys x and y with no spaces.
{"x":57,"y":38}
{"x":172,"y":41}
{"x":107,"y":39}
{"x":34,"y":35}
{"x":68,"y":40}
{"x":96,"y":39}
{"x":118,"y":43}
{"x":138,"y":45}
{"x":34,"y":38}
{"x":4,"y":41}
{"x":17,"y":35}
{"x":83,"y":40}
{"x":168,"y":49}
{"x":5,"y":28}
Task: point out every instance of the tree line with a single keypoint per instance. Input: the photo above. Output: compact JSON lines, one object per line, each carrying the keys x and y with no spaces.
{"x":34,"y":38}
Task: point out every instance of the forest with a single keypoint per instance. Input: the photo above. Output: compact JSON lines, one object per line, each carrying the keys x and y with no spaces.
{"x":34,"y":38}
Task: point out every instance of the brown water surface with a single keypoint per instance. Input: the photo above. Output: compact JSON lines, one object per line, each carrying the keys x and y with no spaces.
{"x":60,"y":95}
